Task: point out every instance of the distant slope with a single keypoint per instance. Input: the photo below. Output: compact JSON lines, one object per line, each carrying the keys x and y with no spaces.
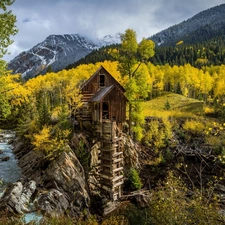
{"x":201,"y":27}
{"x":211,"y":52}
{"x":98,"y":55}
{"x":55,"y":53}
{"x":202,"y":36}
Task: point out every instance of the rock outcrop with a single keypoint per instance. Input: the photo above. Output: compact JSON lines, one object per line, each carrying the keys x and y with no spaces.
{"x":92,"y":149}
{"x":4,"y":159}
{"x":16,"y":198}
{"x":52,"y":202}
{"x":131,"y":159}
{"x":67,"y":176}
{"x":61,"y":183}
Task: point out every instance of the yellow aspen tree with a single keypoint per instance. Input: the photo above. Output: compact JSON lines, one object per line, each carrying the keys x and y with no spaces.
{"x":131,"y":55}
{"x":7,"y":30}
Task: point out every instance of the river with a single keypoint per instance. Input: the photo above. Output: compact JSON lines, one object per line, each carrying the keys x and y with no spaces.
{"x":9,"y":170}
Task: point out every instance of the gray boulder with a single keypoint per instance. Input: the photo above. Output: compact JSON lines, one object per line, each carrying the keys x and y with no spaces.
{"x":17,"y":197}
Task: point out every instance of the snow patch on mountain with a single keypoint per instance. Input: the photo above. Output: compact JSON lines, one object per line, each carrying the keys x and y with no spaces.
{"x":57,"y":52}
{"x":110,"y":39}
{"x":210,"y":21}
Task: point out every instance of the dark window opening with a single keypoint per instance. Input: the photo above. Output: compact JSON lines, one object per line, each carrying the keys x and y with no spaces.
{"x":102,"y":80}
{"x":105,"y":110}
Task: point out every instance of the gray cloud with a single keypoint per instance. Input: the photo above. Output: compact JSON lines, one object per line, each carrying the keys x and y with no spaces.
{"x":96,"y":18}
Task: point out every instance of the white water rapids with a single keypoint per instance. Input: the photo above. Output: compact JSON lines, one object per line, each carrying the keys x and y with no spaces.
{"x":9,"y":170}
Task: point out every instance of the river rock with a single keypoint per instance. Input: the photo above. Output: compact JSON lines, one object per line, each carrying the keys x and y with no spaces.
{"x":16,"y":198}
{"x":4,"y":159}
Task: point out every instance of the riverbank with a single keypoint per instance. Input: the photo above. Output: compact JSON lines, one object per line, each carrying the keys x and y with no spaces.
{"x":9,"y":170}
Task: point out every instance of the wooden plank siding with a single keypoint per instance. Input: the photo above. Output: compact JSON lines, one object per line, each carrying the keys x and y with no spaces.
{"x":92,"y":85}
{"x":104,"y":106}
{"x":117,"y":105}
{"x":97,"y":92}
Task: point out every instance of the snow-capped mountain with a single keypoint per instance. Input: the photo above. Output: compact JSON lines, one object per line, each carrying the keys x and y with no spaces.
{"x":201,"y":27}
{"x":109,"y":40}
{"x":55,"y":53}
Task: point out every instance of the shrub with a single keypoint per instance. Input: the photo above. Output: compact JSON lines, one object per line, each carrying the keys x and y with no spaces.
{"x":134,"y":181}
{"x":167,"y":128}
{"x":193,"y":126}
{"x":208,"y":111}
{"x":115,"y":220}
{"x":168,"y":155}
{"x":167,"y":105}
{"x":170,"y":205}
{"x":83,"y":155}
{"x":51,"y":141}
{"x":154,"y":135}
{"x":158,"y":133}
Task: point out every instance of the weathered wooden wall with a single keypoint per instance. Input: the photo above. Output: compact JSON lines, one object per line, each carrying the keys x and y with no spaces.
{"x":117,"y":105}
{"x":92,"y":85}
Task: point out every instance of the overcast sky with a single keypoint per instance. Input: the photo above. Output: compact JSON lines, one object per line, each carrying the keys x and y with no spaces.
{"x":36,"y":19}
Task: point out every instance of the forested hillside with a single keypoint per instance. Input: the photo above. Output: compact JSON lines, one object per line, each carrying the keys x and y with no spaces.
{"x":39,"y":109}
{"x":211,"y":52}
{"x":203,"y":84}
{"x":202,"y":27}
{"x":98,"y":55}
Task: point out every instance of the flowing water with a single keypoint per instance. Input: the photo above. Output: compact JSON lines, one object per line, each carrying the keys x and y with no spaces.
{"x":9,"y":170}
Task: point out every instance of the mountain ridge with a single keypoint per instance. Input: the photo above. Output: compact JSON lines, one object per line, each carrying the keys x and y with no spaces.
{"x":211,"y":20}
{"x":55,"y":53}
{"x":58,"y":52}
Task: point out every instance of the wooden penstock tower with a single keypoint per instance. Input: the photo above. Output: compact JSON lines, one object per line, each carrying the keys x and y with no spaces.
{"x":104,"y":107}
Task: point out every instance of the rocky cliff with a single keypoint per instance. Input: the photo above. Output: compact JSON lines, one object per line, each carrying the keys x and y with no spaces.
{"x":61,"y":185}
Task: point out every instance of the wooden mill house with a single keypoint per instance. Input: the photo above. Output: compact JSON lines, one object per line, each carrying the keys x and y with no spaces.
{"x":104,"y":107}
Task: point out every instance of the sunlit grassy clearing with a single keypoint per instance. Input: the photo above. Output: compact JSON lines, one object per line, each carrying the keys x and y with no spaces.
{"x":180,"y":106}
